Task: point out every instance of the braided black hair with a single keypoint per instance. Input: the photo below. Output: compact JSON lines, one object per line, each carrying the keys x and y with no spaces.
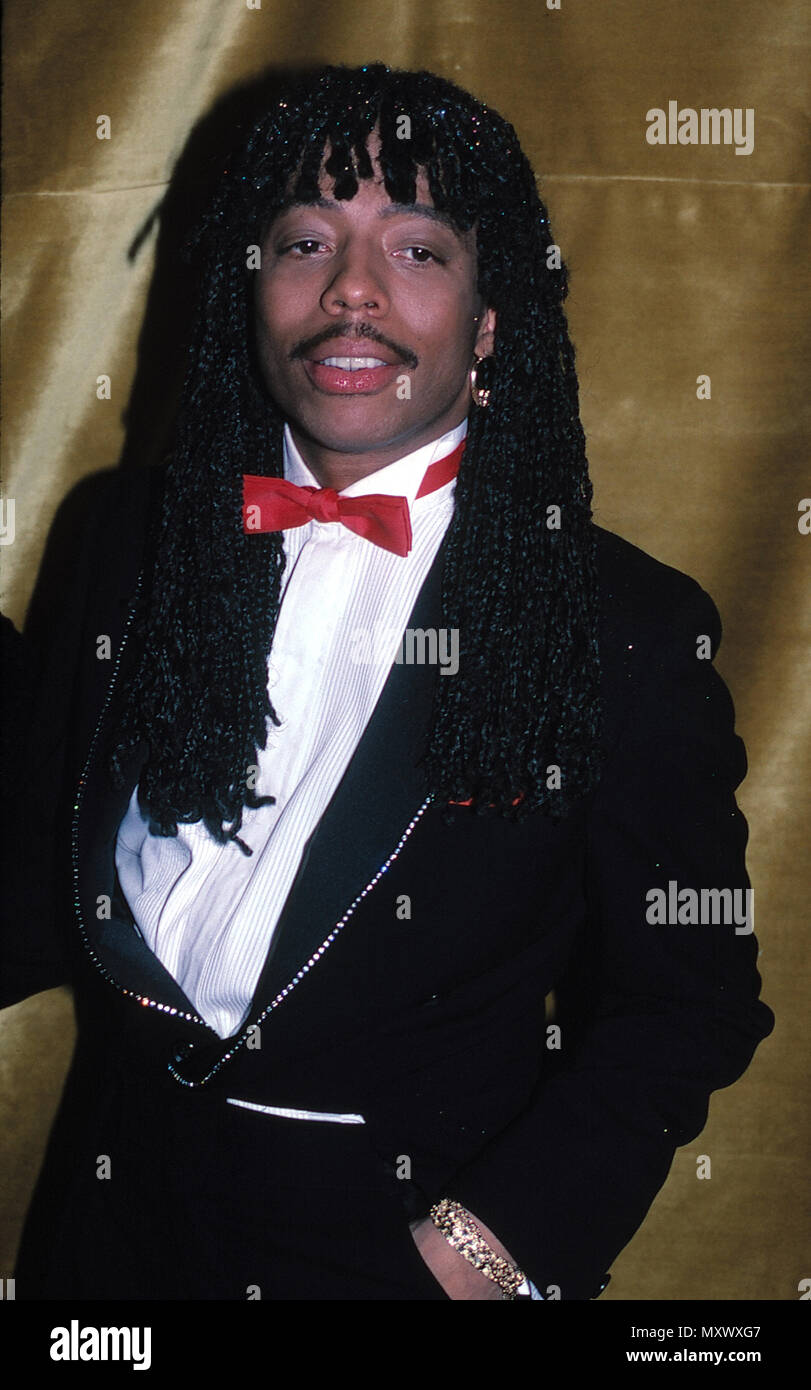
{"x":521,"y":592}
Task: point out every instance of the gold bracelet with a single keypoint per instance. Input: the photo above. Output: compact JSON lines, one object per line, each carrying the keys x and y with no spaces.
{"x":461,"y":1231}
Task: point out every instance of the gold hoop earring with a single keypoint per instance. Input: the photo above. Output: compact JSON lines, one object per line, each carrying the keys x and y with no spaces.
{"x":479,"y":394}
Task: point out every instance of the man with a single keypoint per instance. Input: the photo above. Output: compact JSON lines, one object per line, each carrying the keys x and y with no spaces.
{"x":372,"y":1000}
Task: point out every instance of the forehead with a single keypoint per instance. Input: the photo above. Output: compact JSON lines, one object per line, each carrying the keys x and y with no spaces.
{"x":371,"y":194}
{"x":385,"y":209}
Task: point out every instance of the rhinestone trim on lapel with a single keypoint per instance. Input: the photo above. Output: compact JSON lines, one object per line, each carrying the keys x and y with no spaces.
{"x":169,"y":1009}
{"x":311,"y":963}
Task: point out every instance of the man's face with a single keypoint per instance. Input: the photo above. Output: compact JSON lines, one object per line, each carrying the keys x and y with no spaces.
{"x":367,"y":278}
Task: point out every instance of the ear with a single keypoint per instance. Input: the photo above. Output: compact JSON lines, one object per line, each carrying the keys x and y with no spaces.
{"x":486,"y":334}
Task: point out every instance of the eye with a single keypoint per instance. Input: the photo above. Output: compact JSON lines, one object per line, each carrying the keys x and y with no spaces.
{"x":306,"y":241}
{"x":422,"y":255}
{"x":423,"y":251}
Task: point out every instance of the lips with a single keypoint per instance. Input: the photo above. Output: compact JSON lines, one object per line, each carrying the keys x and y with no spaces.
{"x":354,"y":376}
{"x":348,"y":367}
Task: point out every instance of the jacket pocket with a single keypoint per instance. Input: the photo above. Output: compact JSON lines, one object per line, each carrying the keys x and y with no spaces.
{"x":285,"y":1113}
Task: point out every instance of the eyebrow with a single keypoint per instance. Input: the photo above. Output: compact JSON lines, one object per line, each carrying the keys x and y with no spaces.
{"x":391,"y":210}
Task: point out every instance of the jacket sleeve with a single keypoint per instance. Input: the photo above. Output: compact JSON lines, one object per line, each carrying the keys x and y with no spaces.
{"x":47,"y":699}
{"x":676,"y":1012}
{"x":31,"y":958}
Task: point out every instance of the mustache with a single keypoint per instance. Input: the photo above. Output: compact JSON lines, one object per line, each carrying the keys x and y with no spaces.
{"x":362,"y":332}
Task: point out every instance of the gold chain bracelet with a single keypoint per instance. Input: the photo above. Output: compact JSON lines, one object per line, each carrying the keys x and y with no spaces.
{"x":461,"y":1231}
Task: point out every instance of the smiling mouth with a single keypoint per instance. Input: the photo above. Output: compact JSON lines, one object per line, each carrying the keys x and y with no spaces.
{"x":351,"y":376}
{"x":351,"y":364}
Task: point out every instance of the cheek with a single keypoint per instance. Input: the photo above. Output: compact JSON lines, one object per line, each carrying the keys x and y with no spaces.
{"x":272,"y":344}
{"x":449,"y":335}
{"x":262,"y":319}
{"x":274,"y":310}
{"x":444,"y":317}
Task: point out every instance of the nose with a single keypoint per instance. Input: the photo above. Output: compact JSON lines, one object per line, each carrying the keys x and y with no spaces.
{"x":354,"y":285}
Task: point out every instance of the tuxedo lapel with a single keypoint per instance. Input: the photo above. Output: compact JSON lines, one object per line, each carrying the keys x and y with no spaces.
{"x":380,"y":792}
{"x":114,"y":941}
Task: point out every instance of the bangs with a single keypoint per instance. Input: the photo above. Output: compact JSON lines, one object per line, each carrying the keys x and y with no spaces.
{"x":423,"y":124}
{"x":409,"y":144}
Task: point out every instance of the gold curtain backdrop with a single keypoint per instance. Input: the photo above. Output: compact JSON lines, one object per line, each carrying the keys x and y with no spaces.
{"x":686,"y":261}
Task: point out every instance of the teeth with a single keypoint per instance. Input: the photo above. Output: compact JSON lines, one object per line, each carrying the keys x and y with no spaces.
{"x":352,"y":364}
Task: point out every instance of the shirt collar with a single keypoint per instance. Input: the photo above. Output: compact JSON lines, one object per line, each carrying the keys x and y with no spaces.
{"x":399,"y":479}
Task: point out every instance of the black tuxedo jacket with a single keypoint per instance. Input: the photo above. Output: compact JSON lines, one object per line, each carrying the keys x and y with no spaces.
{"x":432,"y":1025}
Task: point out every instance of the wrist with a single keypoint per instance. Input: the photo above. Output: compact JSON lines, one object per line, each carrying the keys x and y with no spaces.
{"x":477,"y":1246}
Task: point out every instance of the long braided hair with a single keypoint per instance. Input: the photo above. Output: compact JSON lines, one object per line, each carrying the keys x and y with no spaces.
{"x":520,"y":590}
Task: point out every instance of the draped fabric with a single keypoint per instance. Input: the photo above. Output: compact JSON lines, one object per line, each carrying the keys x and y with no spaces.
{"x":686,"y":263}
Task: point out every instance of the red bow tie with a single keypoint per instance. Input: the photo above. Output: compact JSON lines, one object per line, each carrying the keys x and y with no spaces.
{"x":274,"y":504}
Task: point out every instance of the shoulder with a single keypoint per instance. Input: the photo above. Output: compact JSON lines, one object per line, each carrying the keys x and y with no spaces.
{"x":115,"y":503}
{"x":654,"y":623}
{"x":133,"y":492}
{"x":110,"y":513}
{"x":93,"y":552}
{"x":644,"y":600}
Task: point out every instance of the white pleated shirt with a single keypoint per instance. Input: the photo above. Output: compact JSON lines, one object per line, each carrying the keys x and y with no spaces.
{"x":207,"y":910}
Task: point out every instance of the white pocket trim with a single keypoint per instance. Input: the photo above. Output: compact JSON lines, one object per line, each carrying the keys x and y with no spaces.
{"x":331,"y":1117}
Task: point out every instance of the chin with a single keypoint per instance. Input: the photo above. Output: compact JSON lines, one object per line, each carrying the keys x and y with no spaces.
{"x":358,"y":438}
